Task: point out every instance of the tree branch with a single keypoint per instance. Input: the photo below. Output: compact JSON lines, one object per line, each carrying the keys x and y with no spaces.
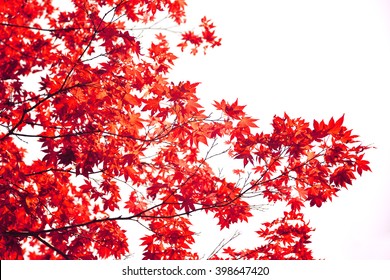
{"x":51,"y":247}
{"x":38,"y":28}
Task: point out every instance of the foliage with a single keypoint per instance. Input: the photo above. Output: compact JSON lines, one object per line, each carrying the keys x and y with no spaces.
{"x":98,"y":99}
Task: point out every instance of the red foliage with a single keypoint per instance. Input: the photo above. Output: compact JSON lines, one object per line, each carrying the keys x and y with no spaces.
{"x":109,"y":122}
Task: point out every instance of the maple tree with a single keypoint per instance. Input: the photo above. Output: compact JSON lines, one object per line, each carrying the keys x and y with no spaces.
{"x":97,"y":97}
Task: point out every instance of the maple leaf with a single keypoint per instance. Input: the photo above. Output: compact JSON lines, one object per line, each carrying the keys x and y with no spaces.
{"x":135,"y":204}
{"x":238,"y":171}
{"x":153,"y":105}
{"x":67,"y":157}
{"x":302,"y":192}
{"x":335,"y":127}
{"x":247,"y":122}
{"x":295,"y":204}
{"x":362,"y":165}
{"x":342,"y":176}
{"x":155,"y":189}
{"x":234,"y":110}
{"x":246,"y":156}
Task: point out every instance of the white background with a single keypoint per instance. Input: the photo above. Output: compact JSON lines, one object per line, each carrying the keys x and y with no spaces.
{"x":103,"y":270}
{"x":310,"y":59}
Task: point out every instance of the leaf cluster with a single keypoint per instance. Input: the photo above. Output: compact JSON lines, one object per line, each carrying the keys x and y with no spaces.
{"x":115,"y":135}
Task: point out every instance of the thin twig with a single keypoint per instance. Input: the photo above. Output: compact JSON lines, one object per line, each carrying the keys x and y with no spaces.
{"x":222,"y":244}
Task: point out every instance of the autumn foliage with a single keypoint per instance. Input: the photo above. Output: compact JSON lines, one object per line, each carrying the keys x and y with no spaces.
{"x":79,"y":81}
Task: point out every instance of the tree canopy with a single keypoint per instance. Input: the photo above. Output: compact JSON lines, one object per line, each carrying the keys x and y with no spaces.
{"x":81,"y":80}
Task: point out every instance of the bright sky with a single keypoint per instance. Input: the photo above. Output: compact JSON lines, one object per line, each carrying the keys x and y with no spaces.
{"x":311,"y":59}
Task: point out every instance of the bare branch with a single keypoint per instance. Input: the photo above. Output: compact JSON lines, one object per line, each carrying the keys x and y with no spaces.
{"x":223,"y":244}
